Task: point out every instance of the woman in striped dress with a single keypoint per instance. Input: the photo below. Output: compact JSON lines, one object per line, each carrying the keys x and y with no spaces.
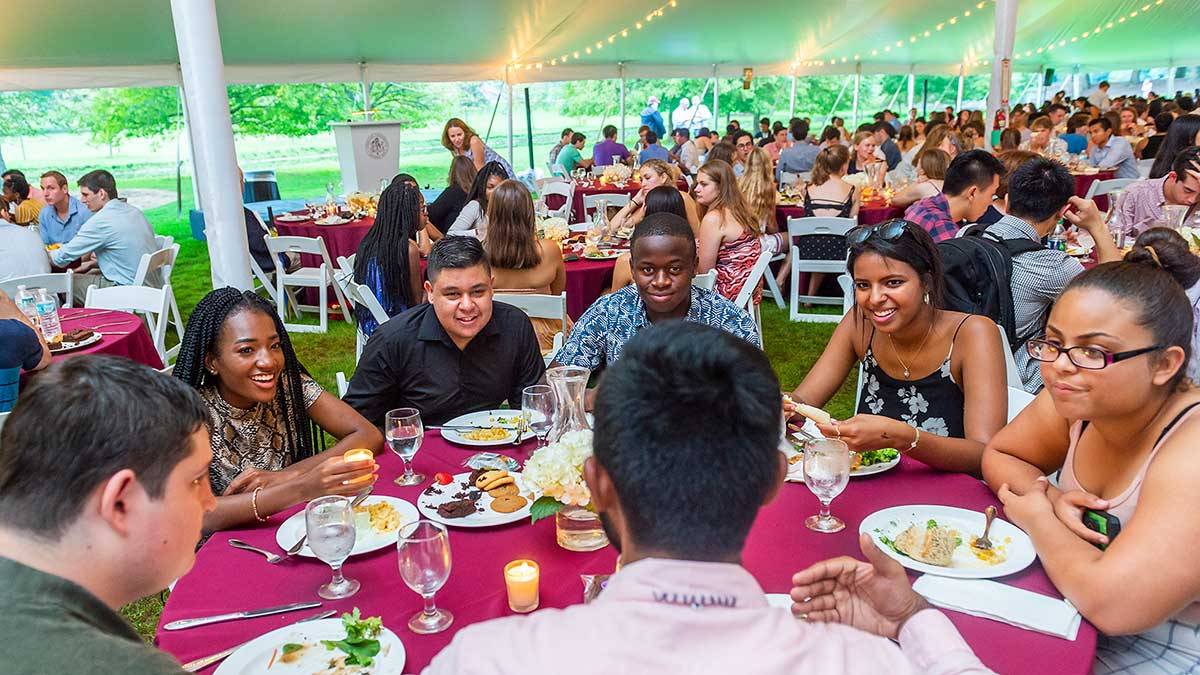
{"x":460,"y":139}
{"x":729,"y":232}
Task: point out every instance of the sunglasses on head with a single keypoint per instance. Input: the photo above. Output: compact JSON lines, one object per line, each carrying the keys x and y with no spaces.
{"x":887,"y":231}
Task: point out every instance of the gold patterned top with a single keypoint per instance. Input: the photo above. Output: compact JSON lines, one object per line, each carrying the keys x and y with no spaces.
{"x":252,"y":438}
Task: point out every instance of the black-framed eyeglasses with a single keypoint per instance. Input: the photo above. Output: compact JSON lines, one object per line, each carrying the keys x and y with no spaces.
{"x":890,"y":230}
{"x":1088,"y":358}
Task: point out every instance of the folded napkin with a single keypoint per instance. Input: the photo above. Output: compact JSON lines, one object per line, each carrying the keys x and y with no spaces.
{"x":996,"y":601}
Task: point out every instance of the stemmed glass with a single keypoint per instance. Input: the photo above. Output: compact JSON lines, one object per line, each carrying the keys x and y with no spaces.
{"x":826,"y":473}
{"x":537,"y":407}
{"x":329,"y":524}
{"x":404,"y":434}
{"x":424,"y":552}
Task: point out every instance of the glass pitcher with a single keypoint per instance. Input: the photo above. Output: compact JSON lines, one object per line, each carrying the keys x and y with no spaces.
{"x":569,"y":384}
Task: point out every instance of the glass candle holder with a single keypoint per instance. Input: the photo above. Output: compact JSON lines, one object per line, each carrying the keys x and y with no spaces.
{"x":521,"y":579}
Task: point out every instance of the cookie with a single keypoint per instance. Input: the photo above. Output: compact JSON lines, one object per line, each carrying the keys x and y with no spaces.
{"x":489,"y":476}
{"x":509,"y":504}
{"x":497,"y":483}
{"x":506,"y":490}
{"x":460,"y":508}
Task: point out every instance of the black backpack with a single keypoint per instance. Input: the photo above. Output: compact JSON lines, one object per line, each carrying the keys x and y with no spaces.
{"x":978,"y":276}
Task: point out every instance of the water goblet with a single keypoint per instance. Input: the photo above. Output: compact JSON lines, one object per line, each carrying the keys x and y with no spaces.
{"x":329,"y":524}
{"x":424,"y":560}
{"x":537,"y":407}
{"x":405,"y":432}
{"x":826,"y":473}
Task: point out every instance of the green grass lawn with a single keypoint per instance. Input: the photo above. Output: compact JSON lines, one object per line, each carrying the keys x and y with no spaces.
{"x":791,"y":347}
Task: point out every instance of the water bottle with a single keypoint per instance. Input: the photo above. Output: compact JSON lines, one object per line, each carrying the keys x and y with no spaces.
{"x":27,"y":304}
{"x":47,"y":310}
{"x":1058,"y":240}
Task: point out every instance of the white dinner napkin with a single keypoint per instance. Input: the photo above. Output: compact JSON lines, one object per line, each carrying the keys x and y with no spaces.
{"x":996,"y":601}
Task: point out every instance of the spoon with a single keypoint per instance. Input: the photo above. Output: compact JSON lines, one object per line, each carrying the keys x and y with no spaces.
{"x":982,"y":542}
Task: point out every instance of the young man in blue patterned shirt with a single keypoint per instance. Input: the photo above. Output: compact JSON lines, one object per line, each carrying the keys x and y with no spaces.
{"x":663,"y":261}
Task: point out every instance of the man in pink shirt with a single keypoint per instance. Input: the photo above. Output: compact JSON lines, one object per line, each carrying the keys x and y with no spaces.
{"x":679,"y":506}
{"x":1141,"y":204}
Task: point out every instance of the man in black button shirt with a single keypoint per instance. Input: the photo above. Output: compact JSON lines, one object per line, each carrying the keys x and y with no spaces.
{"x":458,"y":354}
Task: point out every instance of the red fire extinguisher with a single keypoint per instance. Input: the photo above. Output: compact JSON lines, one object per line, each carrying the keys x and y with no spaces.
{"x":1001,"y":120}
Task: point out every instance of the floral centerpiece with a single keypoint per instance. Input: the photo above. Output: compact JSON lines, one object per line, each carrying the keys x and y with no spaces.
{"x":616,"y":173}
{"x":554,"y":229}
{"x":555,"y":472}
{"x":362,"y":204}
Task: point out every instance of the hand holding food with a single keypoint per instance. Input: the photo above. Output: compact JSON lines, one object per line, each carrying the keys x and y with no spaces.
{"x":873,"y":596}
{"x":869,"y":432}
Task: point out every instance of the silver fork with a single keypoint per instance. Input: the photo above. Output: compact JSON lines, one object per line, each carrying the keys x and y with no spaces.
{"x":272,"y":558}
{"x":520,"y":431}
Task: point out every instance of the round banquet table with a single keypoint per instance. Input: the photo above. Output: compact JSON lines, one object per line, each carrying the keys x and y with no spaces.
{"x":1083,"y":181}
{"x":587,"y":280}
{"x":225,"y":579}
{"x":340,"y":240}
{"x":129,"y":336}
{"x":870,"y":214}
{"x":578,"y":215}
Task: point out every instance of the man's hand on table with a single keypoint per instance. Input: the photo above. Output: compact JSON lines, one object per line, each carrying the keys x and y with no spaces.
{"x":872,"y":596}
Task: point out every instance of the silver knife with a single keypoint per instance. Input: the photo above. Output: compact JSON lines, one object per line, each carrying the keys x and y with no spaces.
{"x":248,"y":614}
{"x":204,"y":662}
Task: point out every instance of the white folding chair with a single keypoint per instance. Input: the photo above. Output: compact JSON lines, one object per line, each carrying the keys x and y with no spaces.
{"x":160,"y":264}
{"x":1144,"y":166}
{"x":1103,"y":187}
{"x":707,"y":281}
{"x":154,"y":304}
{"x":163,"y":240}
{"x":1018,"y":398}
{"x":1012,"y":375}
{"x":847,"y":285}
{"x":345,"y":273}
{"x":617,"y":199}
{"x":342,"y":385}
{"x":320,"y":278}
{"x":745,"y":297}
{"x":810,"y":227}
{"x":564,"y":189}
{"x":3,"y":419}
{"x":168,"y":371}
{"x":539,"y":306}
{"x":57,"y":283}
{"x":361,"y":294}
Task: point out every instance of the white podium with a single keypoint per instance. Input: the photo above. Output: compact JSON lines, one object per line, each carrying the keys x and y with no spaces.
{"x":367,"y":153}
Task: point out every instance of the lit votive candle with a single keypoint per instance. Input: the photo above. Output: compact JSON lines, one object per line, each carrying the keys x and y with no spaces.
{"x":358,"y":455}
{"x":521,"y":579}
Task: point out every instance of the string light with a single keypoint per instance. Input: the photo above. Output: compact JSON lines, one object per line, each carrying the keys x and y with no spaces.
{"x":1090,"y":33}
{"x":623,"y":32}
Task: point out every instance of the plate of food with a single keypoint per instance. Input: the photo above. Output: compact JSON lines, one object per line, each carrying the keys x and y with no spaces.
{"x":332,"y":220}
{"x":941,"y":540}
{"x":484,"y":428}
{"x":376,"y":522}
{"x":76,"y":339}
{"x":345,"y":646}
{"x":291,"y":218}
{"x":481,"y":498}
{"x":602,"y":253}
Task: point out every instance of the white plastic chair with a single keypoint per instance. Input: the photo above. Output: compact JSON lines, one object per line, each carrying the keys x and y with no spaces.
{"x":361,"y":294}
{"x":168,"y":371}
{"x":163,"y":240}
{"x":1012,"y":375}
{"x":809,"y":227}
{"x":345,"y":273}
{"x":745,"y":297}
{"x":707,"y":281}
{"x":58,"y":283}
{"x":3,"y":418}
{"x":847,"y":285}
{"x":617,"y":199}
{"x":1018,"y":398}
{"x":320,"y":278}
{"x":162,"y":262}
{"x":154,"y":304}
{"x":562,"y":188}
{"x":1103,"y":187}
{"x":539,"y":306}
{"x":342,"y":385}
{"x":1144,"y":166}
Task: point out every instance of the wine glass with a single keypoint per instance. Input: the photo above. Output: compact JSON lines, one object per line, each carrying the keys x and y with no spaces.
{"x":424,"y":552}
{"x":537,"y":407}
{"x":826,"y":473}
{"x":404,"y":434}
{"x":329,"y":524}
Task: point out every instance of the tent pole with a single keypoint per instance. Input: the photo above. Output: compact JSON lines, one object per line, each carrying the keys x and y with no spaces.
{"x":716,"y":109}
{"x":1041,"y":88}
{"x":958,"y":100}
{"x":1075,"y":82}
{"x":366,"y":90}
{"x":529,"y":129}
{"x":1170,"y":92}
{"x":1002,"y":46}
{"x":836,"y":101}
{"x":925,"y":98}
{"x":621,"y":70}
{"x":895,"y":96}
{"x":511,"y":155}
{"x":857,"y":84}
{"x":912,"y":86}
{"x":792,"y":105}
{"x":200,"y":60}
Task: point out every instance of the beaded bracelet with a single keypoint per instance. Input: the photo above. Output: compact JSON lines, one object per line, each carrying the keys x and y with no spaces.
{"x":254,"y":505}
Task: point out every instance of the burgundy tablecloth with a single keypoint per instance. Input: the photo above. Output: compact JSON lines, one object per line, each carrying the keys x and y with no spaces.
{"x":135,"y":344}
{"x":867,"y":215}
{"x":587,"y":280}
{"x":577,"y":213}
{"x":225,"y":579}
{"x":340,"y":240}
{"x":1084,"y":181}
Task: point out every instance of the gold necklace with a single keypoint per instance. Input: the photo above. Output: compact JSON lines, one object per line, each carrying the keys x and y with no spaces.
{"x":895,"y":351}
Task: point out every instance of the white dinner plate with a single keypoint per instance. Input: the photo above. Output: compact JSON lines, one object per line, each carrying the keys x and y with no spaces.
{"x":795,"y":472}
{"x":506,"y":419}
{"x":604,"y":254}
{"x":1007,"y":539}
{"x":291,"y":218}
{"x":484,"y":517}
{"x":365,"y":539}
{"x":72,"y":346}
{"x":253,"y":657}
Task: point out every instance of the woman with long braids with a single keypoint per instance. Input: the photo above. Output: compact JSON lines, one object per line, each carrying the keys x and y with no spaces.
{"x":472,"y":220}
{"x":266,"y":415}
{"x":388,"y":259}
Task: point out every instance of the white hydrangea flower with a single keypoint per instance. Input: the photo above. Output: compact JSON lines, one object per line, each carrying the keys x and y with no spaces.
{"x":557,"y":469}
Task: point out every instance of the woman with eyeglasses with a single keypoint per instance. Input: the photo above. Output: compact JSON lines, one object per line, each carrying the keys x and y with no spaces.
{"x":1118,"y":421}
{"x":933,"y":380}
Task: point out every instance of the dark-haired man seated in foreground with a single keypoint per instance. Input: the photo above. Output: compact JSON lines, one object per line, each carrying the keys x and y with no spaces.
{"x":103,"y":487}
{"x":662,"y":258}
{"x":678,"y":506}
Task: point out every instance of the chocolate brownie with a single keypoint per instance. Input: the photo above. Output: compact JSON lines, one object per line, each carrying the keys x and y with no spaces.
{"x":459,"y":508}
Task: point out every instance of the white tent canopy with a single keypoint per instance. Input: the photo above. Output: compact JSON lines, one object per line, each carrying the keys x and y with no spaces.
{"x":117,"y":43}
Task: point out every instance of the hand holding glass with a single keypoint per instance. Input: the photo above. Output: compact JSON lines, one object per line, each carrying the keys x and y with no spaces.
{"x":404,"y":435}
{"x":329,"y":523}
{"x":826,"y":473}
{"x":424,"y":554}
